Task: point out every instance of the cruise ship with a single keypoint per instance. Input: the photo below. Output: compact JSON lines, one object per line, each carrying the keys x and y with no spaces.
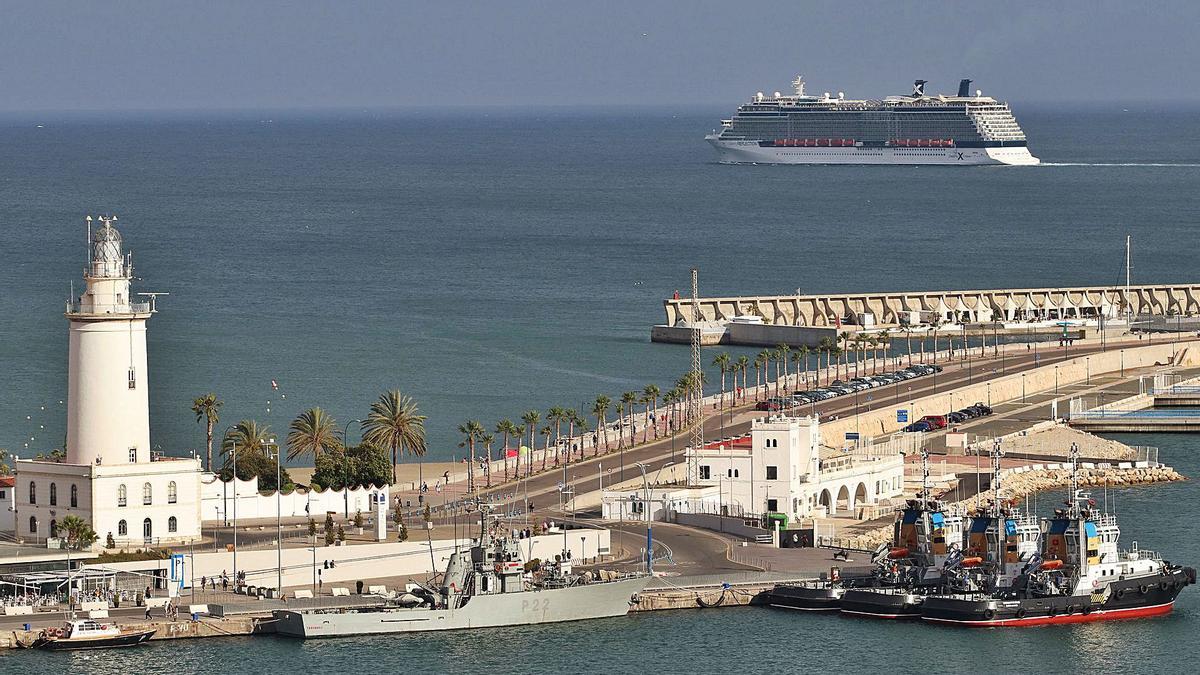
{"x":916,"y":129}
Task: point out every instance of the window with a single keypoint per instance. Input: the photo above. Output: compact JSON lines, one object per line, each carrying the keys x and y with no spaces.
{"x":132,"y":379}
{"x":172,"y":524}
{"x":53,"y":528}
{"x":147,"y":494}
{"x":172,"y":495}
{"x":2,"y":494}
{"x":122,"y":529}
{"x":772,"y":473}
{"x":133,"y":455}
{"x":32,"y":524}
{"x":74,"y":495}
{"x":705,"y":473}
{"x":772,"y":504}
{"x":147,"y":529}
{"x":32,"y":493}
{"x":121,"y":495}
{"x":53,"y":495}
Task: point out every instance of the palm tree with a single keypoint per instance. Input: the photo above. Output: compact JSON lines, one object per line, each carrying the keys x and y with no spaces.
{"x":743,"y":364}
{"x":473,"y":431}
{"x":825,"y":346}
{"x":844,"y":339}
{"x":631,"y":399}
{"x":783,"y":351}
{"x":556,"y":414}
{"x":620,"y":425}
{"x":650,"y":397}
{"x":311,"y":432}
{"x":395,"y":423}
{"x":579,"y":422}
{"x":669,"y":398}
{"x":246,"y":436}
{"x":600,"y":410}
{"x":571,"y":418}
{"x":519,"y":432}
{"x":836,"y":353}
{"x":546,"y":432}
{"x":506,"y":428}
{"x":530,"y":418}
{"x":487,"y":440}
{"x":721,"y":361}
{"x":758,"y":364}
{"x":208,"y":408}
{"x":79,"y":533}
{"x":885,"y":344}
{"x":801,"y":357}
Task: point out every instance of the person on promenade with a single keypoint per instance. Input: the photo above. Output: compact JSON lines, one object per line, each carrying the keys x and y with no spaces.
{"x":147,"y":612}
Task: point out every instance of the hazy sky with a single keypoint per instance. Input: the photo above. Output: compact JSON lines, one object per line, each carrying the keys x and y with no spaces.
{"x":214,"y":54}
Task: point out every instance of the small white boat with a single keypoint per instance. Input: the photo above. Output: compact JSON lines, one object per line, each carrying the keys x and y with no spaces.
{"x":89,"y":634}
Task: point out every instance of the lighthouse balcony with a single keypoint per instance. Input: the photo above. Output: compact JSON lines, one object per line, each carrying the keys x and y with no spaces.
{"x":95,"y":309}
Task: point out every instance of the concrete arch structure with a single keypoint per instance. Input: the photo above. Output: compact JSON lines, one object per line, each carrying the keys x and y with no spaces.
{"x":974,"y":305}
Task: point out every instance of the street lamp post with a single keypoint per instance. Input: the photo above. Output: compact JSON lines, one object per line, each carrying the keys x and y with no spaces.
{"x":346,"y":488}
{"x":649,"y":520}
{"x":278,"y":520}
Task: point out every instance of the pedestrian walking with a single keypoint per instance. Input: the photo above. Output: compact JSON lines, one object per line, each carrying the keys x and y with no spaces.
{"x":147,"y":612}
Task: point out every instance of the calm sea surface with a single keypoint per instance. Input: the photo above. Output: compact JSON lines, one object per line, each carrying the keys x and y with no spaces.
{"x":493,"y":261}
{"x":488,"y":262}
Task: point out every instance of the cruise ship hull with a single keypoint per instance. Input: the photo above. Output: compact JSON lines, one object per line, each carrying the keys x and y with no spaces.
{"x":750,"y":152}
{"x":590,"y":601}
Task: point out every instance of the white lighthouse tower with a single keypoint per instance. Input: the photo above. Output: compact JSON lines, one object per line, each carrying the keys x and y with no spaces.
{"x":108,"y":412}
{"x":132,"y":497}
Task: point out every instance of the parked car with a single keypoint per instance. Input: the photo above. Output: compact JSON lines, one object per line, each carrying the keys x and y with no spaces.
{"x":769,"y":406}
{"x":983,"y":409}
{"x":935,"y":421}
{"x":956,"y":417}
{"x":920,"y":425}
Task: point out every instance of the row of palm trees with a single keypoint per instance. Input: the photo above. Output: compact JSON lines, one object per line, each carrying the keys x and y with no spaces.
{"x":393,"y":423}
{"x":570,"y":446}
{"x":832,"y":358}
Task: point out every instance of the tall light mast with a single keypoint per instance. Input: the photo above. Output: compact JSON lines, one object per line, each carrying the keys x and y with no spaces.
{"x":697,"y":397}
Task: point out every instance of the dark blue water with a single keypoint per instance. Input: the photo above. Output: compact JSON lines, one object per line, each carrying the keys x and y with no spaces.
{"x":491,"y":261}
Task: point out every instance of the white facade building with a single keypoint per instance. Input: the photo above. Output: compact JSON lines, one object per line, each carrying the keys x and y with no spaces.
{"x":780,"y":467}
{"x":109,"y":476}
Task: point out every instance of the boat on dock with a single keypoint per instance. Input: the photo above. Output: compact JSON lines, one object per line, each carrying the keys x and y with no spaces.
{"x":1079,"y":576}
{"x":486,"y":585}
{"x":923,"y":533}
{"x":89,"y":634}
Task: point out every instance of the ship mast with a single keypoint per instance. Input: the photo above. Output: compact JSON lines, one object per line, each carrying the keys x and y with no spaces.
{"x":997,"y":512}
{"x":924,"y":474}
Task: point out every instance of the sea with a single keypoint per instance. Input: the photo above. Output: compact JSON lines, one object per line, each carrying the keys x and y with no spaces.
{"x":489,"y":261}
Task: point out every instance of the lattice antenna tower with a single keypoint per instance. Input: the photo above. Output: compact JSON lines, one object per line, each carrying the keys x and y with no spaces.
{"x":697,"y":397}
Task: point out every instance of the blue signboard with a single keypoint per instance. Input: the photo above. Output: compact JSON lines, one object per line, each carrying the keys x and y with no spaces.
{"x":902,"y":415}
{"x":852,"y":435}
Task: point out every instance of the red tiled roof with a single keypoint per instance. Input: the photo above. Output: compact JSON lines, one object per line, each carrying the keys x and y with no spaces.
{"x":8,"y":481}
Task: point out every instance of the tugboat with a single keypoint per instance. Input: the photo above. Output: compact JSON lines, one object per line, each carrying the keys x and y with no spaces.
{"x":483,"y":586}
{"x":1080,"y":576}
{"x":925,"y":532}
{"x":89,"y":634}
{"x":932,"y":573}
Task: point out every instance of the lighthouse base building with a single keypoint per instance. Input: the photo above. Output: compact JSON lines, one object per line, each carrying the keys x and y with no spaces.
{"x":132,"y":497}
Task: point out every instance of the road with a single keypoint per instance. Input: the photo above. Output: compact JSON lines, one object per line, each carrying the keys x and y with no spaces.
{"x":583,"y":476}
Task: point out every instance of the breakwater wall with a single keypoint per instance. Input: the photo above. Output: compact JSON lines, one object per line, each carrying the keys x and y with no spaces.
{"x":975,"y":305}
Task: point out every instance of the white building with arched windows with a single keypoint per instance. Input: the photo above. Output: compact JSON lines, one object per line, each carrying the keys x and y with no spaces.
{"x":109,"y":477}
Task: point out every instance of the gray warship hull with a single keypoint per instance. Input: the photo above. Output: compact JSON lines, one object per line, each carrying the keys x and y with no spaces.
{"x":574,"y":603}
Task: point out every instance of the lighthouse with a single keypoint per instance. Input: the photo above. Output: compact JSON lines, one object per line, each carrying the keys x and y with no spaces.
{"x":108,"y":412}
{"x":132,"y":497}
